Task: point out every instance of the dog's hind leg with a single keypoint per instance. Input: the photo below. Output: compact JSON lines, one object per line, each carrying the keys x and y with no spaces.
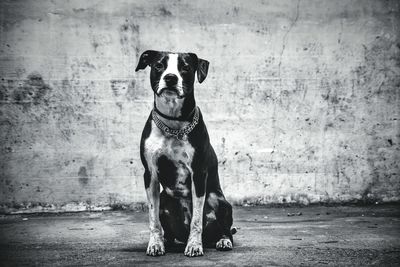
{"x":167,"y":210}
{"x":224,"y":217}
{"x":172,"y":217}
{"x":218,"y":216}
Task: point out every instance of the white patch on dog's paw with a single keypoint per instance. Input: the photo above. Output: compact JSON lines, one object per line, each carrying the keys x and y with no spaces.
{"x":194,"y":250}
{"x":224,"y":244}
{"x":155,"y":247}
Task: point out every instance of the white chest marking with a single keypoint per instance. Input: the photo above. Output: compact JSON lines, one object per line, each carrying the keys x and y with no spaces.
{"x":180,"y":153}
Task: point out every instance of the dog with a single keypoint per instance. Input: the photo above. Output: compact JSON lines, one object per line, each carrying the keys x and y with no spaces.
{"x":176,"y":152}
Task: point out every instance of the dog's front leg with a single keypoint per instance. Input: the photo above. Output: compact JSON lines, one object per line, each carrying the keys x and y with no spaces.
{"x":156,"y":242}
{"x":194,"y":245}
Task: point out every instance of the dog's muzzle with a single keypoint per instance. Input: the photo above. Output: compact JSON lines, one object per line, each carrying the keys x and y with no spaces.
{"x":170,"y":92}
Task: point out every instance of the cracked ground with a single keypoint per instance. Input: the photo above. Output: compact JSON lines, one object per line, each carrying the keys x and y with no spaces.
{"x":315,"y":235}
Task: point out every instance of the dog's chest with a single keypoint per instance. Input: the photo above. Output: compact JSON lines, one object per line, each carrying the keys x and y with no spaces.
{"x":169,"y":160}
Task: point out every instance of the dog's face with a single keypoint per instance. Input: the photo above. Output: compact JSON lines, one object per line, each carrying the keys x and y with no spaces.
{"x":173,"y":74}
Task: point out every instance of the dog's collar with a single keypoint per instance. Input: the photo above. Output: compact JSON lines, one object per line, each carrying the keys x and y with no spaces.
{"x":180,"y":134}
{"x":174,"y":118}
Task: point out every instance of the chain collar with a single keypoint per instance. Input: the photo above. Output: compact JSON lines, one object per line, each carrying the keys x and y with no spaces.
{"x":180,"y":134}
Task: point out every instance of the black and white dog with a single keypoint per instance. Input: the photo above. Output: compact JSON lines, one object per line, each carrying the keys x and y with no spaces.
{"x":175,"y":151}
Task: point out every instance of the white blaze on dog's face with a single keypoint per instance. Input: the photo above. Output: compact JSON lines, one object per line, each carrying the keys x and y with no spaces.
{"x":171,"y":78}
{"x":173,"y":74}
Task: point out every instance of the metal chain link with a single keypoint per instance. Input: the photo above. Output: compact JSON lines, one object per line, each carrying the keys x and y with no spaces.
{"x":180,"y":134}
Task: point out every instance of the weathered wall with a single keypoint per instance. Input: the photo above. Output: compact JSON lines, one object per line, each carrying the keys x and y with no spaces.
{"x":301,"y":101}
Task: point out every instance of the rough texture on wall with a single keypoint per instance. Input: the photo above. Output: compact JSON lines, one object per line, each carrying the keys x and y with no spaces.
{"x":301,"y":102}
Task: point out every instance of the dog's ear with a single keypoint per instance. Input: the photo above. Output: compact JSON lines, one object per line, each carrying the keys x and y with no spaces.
{"x":146,"y":59}
{"x":202,"y":70}
{"x":202,"y":67}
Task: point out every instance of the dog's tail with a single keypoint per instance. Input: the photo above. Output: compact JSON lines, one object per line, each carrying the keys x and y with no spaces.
{"x":234,"y":230}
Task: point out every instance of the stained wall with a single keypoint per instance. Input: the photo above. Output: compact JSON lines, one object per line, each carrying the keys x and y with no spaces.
{"x":301,"y":100}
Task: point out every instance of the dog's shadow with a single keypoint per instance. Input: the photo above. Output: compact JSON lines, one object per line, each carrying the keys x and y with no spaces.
{"x":176,"y":247}
{"x":179,"y":247}
{"x":169,"y":248}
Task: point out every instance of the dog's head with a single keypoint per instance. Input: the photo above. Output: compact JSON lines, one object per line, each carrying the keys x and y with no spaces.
{"x":173,"y":74}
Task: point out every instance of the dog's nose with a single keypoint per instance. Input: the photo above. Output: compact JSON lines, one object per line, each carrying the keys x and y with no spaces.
{"x":171,"y":79}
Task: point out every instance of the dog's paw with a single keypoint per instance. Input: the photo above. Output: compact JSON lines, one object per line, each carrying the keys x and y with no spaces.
{"x":194,"y":250}
{"x":224,"y":244}
{"x":155,"y":247}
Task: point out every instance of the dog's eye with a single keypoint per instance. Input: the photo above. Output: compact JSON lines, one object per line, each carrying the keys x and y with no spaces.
{"x":186,"y":68}
{"x":159,"y":66}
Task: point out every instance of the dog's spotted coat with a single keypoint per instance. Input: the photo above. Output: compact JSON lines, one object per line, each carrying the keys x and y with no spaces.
{"x":191,"y":207}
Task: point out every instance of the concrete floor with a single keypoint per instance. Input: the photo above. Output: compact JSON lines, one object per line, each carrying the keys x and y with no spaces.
{"x":357,"y":236}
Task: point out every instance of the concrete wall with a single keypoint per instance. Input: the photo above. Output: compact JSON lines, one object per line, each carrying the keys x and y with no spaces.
{"x":301,"y":101}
